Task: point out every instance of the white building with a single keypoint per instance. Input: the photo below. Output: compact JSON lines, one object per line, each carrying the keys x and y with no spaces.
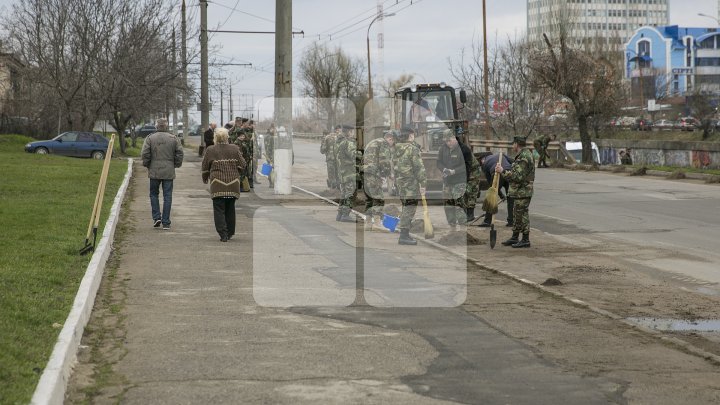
{"x":613,"y":20}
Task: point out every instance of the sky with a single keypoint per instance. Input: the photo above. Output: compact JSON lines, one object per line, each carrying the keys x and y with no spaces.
{"x":420,"y":38}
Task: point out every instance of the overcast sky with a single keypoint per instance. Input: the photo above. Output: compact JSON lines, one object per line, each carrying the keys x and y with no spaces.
{"x":419,"y":39}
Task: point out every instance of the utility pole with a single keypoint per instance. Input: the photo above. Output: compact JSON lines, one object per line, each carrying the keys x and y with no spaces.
{"x":486,"y":79}
{"x":183,"y":56}
{"x":283,"y":96}
{"x":204,"y":95}
{"x":222,"y":110}
{"x":230,"y":105}
{"x":174,"y":88}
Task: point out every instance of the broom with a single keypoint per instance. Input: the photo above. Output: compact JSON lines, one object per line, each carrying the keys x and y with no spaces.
{"x":492,"y":199}
{"x":429,"y":231}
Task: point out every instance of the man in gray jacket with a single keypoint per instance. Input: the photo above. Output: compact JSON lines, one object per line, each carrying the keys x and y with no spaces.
{"x":161,"y":154}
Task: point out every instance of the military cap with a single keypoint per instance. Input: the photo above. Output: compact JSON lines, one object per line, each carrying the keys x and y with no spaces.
{"x":238,"y":118}
{"x":405,"y":132}
{"x":346,"y":127}
{"x":448,"y":134}
{"x":520,"y":140}
{"x":245,"y":119}
{"x":391,"y":134}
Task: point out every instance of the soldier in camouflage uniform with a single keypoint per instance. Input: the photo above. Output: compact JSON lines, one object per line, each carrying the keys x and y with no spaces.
{"x":377,"y":164}
{"x":521,"y":177}
{"x":473,"y":188}
{"x":246,"y":147}
{"x":410,"y":179}
{"x":269,"y":143}
{"x":327,"y":148}
{"x":235,"y":131}
{"x":347,"y":159}
{"x":454,"y":161}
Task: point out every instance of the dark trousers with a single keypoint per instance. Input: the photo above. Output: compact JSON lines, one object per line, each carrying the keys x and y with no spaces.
{"x":167,"y":189}
{"x":224,"y":214}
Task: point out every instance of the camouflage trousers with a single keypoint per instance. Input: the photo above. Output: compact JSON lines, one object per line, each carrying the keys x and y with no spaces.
{"x":455,"y":203}
{"x":471,"y":194}
{"x":409,"y":206}
{"x":521,"y":215}
{"x":348,"y":193}
{"x":374,"y":202}
{"x":332,"y":175}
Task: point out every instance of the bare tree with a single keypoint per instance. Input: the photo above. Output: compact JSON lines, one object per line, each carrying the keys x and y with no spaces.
{"x":516,"y":104}
{"x":704,"y":109}
{"x":96,"y":59}
{"x":589,"y":80}
{"x":391,"y":85}
{"x":328,"y":76}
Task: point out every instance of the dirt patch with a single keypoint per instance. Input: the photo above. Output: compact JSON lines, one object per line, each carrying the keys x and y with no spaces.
{"x":392,"y":210}
{"x":640,"y":171}
{"x":677,"y":175}
{"x":713,"y":180}
{"x":460,"y":239}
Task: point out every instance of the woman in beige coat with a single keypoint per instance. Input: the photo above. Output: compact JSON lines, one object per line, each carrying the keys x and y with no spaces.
{"x":222,"y":166}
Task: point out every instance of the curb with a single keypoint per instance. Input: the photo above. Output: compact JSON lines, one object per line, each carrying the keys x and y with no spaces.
{"x":671,"y":340}
{"x":54,"y":379}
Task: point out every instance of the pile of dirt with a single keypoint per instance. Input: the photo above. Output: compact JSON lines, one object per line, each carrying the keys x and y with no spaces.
{"x":551,"y":281}
{"x":640,"y":171}
{"x":677,"y":175}
{"x":392,"y":210}
{"x":460,"y":239}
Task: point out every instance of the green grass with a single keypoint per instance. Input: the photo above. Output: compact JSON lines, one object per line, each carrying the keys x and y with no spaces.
{"x":45,"y":207}
{"x":657,"y":135}
{"x":681,"y":169}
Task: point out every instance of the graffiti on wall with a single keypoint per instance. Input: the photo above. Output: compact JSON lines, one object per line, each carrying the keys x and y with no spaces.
{"x":678,"y":158}
{"x":609,"y":156}
{"x":701,"y":159}
{"x":650,"y":157}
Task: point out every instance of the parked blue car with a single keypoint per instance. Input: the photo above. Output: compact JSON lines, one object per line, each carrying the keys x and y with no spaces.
{"x":73,"y":143}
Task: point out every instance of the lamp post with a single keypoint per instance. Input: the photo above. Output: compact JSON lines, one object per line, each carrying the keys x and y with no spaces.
{"x":379,"y":16}
{"x":709,"y":16}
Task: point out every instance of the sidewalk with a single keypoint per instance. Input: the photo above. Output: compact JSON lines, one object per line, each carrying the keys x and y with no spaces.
{"x":206,"y":322}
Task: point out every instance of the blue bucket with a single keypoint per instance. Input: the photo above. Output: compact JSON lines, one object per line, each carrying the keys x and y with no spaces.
{"x":390,"y":222}
{"x":266,"y":169}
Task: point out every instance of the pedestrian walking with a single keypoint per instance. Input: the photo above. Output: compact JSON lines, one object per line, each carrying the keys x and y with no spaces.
{"x":377,"y":164}
{"x":348,"y":159}
{"x":222,"y":167}
{"x":521,"y":177}
{"x":327,"y":148}
{"x":161,"y":154}
{"x":209,"y":135}
{"x":488,"y":161}
{"x":454,"y":162}
{"x":411,"y":180}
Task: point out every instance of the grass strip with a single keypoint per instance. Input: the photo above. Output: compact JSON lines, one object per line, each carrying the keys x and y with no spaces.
{"x":45,"y":207}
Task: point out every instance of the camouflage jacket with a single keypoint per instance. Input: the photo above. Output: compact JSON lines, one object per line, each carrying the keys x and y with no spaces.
{"x":347,"y":156}
{"x":234,"y":133}
{"x":521,"y":175}
{"x":269,"y":141}
{"x":327,"y":146}
{"x":377,"y":158}
{"x":408,"y":165}
{"x":246,"y":147}
{"x":475,"y":171}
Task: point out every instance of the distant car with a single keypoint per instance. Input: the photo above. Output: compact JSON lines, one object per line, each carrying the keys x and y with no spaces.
{"x":145,"y":130}
{"x":73,"y":143}
{"x":664,"y":125}
{"x":575,"y":150}
{"x":688,"y":124}
{"x":624,"y":122}
{"x":641,"y":124}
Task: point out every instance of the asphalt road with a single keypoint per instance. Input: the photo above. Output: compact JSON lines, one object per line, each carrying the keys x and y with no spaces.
{"x":679,"y":219}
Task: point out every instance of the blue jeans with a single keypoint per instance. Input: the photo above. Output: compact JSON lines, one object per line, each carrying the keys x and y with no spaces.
{"x":167,"y":186}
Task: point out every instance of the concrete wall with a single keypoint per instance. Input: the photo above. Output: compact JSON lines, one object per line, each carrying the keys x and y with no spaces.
{"x":704,"y":155}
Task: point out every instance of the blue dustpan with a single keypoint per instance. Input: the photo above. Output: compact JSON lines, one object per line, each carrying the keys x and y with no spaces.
{"x":390,"y":222}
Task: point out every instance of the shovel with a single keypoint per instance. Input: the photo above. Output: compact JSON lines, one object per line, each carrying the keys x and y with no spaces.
{"x":493,"y":236}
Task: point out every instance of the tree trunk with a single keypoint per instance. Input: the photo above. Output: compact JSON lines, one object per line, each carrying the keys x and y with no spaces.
{"x":585,"y":139}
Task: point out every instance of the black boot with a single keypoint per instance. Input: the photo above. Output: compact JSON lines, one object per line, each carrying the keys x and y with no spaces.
{"x":524,"y":243}
{"x":405,"y":238}
{"x":470,"y":214}
{"x":513,"y":240}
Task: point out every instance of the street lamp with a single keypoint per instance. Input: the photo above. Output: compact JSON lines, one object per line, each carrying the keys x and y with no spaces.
{"x":709,"y":16}
{"x":379,"y":16}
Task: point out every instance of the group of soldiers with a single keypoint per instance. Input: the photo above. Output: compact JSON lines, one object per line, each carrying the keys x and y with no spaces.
{"x":396,"y":159}
{"x":242,"y":134}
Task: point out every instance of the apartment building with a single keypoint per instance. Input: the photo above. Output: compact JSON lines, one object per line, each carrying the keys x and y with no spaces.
{"x":611,"y":20}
